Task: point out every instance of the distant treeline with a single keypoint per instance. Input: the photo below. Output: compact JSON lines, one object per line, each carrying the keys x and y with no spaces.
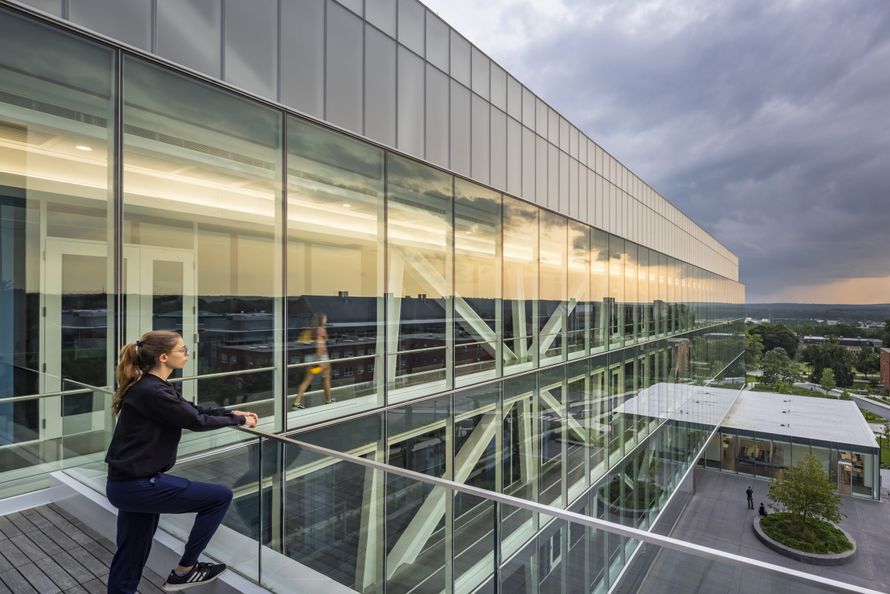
{"x":808,"y":311}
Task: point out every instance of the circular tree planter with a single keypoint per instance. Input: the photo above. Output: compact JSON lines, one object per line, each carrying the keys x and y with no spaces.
{"x":803,"y":557}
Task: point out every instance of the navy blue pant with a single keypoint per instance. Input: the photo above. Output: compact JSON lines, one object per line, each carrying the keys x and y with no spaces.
{"x":140,"y":503}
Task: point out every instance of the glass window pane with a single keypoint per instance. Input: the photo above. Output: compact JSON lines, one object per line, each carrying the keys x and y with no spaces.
{"x":481,"y":128}
{"x":437,"y":41}
{"x":578,"y":304}
{"x":334,"y":270}
{"x":202,"y":192}
{"x":302,"y":81}
{"x":200,"y":48}
{"x":343,"y":88}
{"x":437,"y":132}
{"x":616,"y":289}
{"x":382,"y":14}
{"x":419,"y":285}
{"x":551,"y":409}
{"x":460,"y":128}
{"x":520,"y":283}
{"x":411,"y":105}
{"x":56,"y":118}
{"x":251,"y":46}
{"x":599,"y":288}
{"x":552,"y":294}
{"x":411,"y":25}
{"x":477,"y":253}
{"x":380,"y":97}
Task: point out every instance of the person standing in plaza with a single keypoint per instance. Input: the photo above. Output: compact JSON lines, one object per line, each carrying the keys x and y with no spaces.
{"x":151,"y":415}
{"x":750,"y":493}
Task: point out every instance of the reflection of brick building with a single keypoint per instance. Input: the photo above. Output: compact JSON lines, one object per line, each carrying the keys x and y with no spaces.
{"x":885,"y":368}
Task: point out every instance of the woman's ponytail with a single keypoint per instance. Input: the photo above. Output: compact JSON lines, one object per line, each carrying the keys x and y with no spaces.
{"x":128,"y":373}
{"x":138,"y":357}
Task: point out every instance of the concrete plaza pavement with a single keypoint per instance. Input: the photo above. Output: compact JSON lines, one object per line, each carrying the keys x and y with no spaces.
{"x":717,"y":517}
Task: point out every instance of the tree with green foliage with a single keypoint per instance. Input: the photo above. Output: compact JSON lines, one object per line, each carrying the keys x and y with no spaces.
{"x":775,"y":336}
{"x":868,"y":362}
{"x":834,"y":356}
{"x":827,"y":382}
{"x":778,"y":366}
{"x":753,"y":350}
{"x":806,"y":493}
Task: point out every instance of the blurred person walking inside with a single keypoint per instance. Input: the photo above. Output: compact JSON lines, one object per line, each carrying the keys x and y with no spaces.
{"x":151,"y":415}
{"x":316,"y":334}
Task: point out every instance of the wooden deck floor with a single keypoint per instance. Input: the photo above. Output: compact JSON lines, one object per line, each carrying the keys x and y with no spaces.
{"x":44,"y":550}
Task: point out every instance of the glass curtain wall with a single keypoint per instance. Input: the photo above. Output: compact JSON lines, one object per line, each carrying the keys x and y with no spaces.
{"x":520,"y":301}
{"x":578,"y":306}
{"x":551,"y":310}
{"x":202,"y":241}
{"x":56,"y":249}
{"x":335,"y":269}
{"x":420,"y":279}
{"x":477,"y":283}
{"x":312,"y":274}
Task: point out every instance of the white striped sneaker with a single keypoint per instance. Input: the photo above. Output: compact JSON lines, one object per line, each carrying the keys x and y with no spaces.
{"x":201,"y":573}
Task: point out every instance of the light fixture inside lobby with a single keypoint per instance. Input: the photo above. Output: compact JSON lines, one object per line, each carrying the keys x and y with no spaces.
{"x":83,"y":147}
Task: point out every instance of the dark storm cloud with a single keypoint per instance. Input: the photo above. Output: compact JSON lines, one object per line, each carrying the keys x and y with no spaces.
{"x":768,"y":123}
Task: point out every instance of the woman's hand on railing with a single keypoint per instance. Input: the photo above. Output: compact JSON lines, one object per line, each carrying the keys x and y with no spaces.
{"x":250,"y":419}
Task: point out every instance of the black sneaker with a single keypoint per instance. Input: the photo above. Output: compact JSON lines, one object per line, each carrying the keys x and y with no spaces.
{"x":201,"y":573}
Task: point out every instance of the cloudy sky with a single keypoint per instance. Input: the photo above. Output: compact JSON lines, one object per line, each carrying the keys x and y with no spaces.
{"x":766,"y":121}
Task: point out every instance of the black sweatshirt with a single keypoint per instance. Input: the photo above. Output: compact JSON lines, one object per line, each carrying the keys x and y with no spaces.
{"x":152,"y":417}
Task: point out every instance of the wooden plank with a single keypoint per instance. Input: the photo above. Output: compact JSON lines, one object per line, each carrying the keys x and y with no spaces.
{"x":58,"y":537}
{"x":46,"y":544}
{"x":21,"y":522}
{"x":85,"y":558}
{"x":12,"y":553}
{"x":8,"y":528}
{"x":26,"y":546}
{"x":38,"y":579}
{"x":16,"y":582}
{"x":36,"y":518}
{"x":77,"y":570}
{"x":57,"y":574}
{"x":99,"y":552}
{"x":95,"y":585}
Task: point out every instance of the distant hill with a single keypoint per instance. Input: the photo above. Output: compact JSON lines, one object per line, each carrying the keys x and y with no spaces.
{"x":807,"y":311}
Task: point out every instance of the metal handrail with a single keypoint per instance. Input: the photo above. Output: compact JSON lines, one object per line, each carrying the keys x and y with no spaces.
{"x":666,"y":542}
{"x":5,"y":400}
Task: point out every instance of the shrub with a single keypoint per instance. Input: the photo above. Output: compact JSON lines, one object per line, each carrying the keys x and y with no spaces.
{"x":812,"y":536}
